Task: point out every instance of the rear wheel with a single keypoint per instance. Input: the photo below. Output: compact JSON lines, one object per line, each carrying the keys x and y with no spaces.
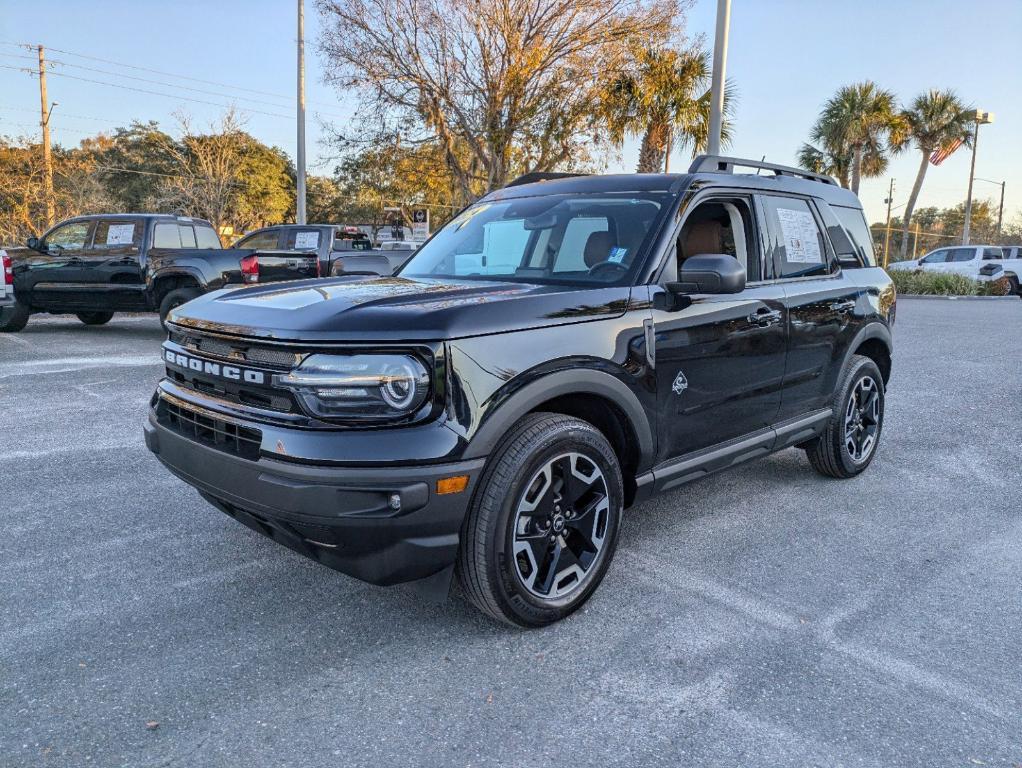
{"x":95,"y":318}
{"x":175,"y":299}
{"x":543,"y":524}
{"x":1013,"y":286}
{"x":849,"y":442}
{"x":14,"y":318}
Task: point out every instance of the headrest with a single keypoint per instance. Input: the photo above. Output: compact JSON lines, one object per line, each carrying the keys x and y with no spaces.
{"x":597,"y":248}
{"x":703,"y":237}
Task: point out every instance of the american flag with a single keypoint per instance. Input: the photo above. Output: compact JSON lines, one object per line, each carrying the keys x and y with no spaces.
{"x":943,"y":153}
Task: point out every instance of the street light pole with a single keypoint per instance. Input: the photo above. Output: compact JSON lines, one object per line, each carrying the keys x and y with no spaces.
{"x":719,"y":68}
{"x":982,"y":118}
{"x":887,"y":229}
{"x":300,"y":197}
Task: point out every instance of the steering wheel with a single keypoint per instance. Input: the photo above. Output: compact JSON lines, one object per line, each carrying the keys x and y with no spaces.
{"x":612,"y":270}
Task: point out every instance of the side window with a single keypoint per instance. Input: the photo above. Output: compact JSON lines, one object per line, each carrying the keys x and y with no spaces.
{"x":165,"y":235}
{"x":794,"y":239}
{"x":992,"y":253}
{"x":961,"y":254}
{"x":854,"y":224}
{"x":187,"y":234}
{"x":206,"y":237}
{"x":69,"y":236}
{"x":504,"y":245}
{"x":265,"y":240}
{"x":721,"y":226}
{"x":937,"y":257}
{"x":117,"y":234}
{"x":302,"y":240}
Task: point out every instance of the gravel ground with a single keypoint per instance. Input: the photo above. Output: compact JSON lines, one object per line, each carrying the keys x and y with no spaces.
{"x":761,"y":617}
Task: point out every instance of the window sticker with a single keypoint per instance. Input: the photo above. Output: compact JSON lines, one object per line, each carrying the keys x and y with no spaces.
{"x":617,"y":255}
{"x":120,"y":234}
{"x":307,"y":240}
{"x":801,"y":236}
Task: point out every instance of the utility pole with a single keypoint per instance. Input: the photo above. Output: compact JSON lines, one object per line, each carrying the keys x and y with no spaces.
{"x":717,"y":85}
{"x":44,"y":123}
{"x":667,"y":157}
{"x":1000,"y":212}
{"x":300,"y":200}
{"x":982,"y":118}
{"x":887,"y":230}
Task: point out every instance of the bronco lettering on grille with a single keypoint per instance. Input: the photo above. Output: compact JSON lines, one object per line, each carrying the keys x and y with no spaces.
{"x":215,"y":369}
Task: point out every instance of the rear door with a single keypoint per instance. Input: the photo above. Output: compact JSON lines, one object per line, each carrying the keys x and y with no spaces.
{"x":822,"y":304}
{"x":114,"y":266}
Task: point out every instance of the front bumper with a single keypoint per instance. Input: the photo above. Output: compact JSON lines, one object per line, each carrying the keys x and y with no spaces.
{"x":339,"y":516}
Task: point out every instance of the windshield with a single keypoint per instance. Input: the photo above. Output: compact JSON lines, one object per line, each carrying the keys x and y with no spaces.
{"x":575,"y":239}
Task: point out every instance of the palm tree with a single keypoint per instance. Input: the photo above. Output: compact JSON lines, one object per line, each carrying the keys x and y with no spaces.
{"x":856,"y":122}
{"x":934,"y":120}
{"x":665,"y":96}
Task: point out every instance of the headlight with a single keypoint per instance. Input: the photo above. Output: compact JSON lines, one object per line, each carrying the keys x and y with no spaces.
{"x":370,"y":387}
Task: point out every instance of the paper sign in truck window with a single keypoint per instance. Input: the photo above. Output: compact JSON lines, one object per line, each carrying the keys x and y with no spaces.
{"x":120,"y":234}
{"x":801,"y":236}
{"x":307,"y":240}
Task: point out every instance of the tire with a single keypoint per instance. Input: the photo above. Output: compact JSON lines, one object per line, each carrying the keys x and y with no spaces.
{"x":849,"y":442}
{"x":546,"y":464}
{"x":15,"y":318}
{"x":174,"y":299}
{"x":1013,"y":286}
{"x":95,"y":318}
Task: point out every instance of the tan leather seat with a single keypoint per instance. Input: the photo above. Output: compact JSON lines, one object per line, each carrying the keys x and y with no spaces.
{"x":597,"y":249}
{"x":703,"y":237}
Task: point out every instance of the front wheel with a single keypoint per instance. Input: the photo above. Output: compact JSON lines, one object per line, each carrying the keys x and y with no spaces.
{"x":95,"y":318}
{"x":543,"y":524}
{"x":14,"y":318}
{"x":849,"y":442}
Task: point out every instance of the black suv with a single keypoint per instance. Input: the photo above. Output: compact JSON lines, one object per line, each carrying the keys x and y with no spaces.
{"x":561,"y":350}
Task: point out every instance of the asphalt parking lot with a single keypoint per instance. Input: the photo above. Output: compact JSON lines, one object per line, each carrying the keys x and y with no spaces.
{"x":763,"y":617}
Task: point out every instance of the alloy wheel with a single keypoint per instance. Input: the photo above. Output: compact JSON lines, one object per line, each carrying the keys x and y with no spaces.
{"x":862,"y":419}
{"x":560,"y":526}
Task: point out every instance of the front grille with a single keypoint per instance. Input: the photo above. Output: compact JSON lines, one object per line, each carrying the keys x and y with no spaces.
{"x":216,"y":433}
{"x":236,"y":351}
{"x":239,"y":394}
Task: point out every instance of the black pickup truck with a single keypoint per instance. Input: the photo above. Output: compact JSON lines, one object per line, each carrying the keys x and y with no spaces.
{"x":94,"y":266}
{"x":341,"y":250}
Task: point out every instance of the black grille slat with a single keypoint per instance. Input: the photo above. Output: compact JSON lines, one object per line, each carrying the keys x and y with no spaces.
{"x":223,"y":435}
{"x":237,"y":351}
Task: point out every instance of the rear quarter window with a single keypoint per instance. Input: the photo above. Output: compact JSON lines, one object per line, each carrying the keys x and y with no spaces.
{"x":854,"y":224}
{"x":206,"y":237}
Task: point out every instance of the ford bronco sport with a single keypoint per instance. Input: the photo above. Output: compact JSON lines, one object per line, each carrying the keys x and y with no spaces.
{"x":561,"y":350}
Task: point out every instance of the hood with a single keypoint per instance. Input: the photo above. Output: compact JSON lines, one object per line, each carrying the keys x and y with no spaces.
{"x":395,"y":308}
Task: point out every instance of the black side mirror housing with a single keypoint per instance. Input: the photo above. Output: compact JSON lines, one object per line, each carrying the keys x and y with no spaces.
{"x":709,"y":273}
{"x":33,"y":243}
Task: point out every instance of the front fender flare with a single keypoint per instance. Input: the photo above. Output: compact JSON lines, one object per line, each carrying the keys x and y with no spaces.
{"x":556,"y":384}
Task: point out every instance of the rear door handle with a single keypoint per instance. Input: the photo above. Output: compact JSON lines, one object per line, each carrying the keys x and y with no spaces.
{"x":765,"y":317}
{"x":843,"y":307}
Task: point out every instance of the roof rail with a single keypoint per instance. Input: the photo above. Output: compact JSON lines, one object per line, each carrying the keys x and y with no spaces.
{"x":530,"y":178}
{"x":721,"y":164}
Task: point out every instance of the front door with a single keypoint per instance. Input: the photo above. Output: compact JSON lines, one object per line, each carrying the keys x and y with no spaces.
{"x":719,"y":361}
{"x":56,"y":274}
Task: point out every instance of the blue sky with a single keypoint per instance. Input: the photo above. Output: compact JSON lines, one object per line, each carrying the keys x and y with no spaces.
{"x":786,"y":58}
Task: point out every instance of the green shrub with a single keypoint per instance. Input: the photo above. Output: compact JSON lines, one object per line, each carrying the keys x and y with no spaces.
{"x":940,"y":284}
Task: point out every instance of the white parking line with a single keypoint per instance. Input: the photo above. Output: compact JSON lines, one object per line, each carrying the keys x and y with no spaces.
{"x":68,"y":364}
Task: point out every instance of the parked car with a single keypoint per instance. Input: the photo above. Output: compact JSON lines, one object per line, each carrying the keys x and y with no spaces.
{"x":556,"y":353}
{"x":94,"y":266}
{"x":337,"y":249}
{"x":979,"y":262}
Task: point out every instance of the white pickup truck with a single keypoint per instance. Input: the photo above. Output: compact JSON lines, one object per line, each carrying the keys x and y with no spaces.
{"x":980,"y":262}
{"x":6,"y":280}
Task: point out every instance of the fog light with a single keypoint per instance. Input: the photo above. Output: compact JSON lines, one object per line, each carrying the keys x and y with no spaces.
{"x":395,"y":501}
{"x":455,"y":484}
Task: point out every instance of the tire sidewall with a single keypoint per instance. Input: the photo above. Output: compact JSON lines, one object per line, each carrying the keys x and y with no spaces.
{"x":860,"y":367}
{"x":175,"y":299}
{"x":528,"y":608}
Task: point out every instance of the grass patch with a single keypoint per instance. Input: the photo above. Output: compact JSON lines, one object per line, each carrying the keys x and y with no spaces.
{"x":946,"y":284}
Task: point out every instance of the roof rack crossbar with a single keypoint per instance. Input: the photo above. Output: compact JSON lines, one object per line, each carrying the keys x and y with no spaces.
{"x":721,"y":164}
{"x":530,"y":178}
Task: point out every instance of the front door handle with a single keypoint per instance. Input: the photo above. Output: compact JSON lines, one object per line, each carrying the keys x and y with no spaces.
{"x":765,"y":317}
{"x":843,"y":307}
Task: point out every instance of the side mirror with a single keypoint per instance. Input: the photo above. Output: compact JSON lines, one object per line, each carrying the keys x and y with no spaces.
{"x":709,"y":273}
{"x":33,"y":243}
